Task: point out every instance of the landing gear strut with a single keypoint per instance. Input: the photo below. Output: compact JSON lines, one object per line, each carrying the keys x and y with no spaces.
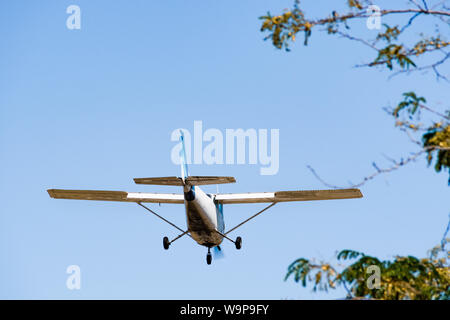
{"x":209,"y":256}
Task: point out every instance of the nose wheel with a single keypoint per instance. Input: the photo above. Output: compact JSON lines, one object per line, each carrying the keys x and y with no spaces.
{"x":209,"y":256}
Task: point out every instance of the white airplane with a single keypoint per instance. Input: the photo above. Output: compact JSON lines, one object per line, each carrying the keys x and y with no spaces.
{"x":204,"y":211}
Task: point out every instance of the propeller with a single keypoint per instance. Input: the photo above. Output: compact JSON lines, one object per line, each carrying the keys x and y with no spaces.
{"x":218,"y":253}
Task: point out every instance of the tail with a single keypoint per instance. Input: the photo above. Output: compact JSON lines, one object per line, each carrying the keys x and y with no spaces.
{"x":185,"y":179}
{"x":184,"y":167}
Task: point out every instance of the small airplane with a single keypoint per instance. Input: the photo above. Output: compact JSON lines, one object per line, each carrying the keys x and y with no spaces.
{"x":204,"y":211}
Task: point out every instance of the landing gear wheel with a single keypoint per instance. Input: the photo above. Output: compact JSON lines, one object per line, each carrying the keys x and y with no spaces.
{"x":238,"y":243}
{"x":209,"y":258}
{"x":166,"y":243}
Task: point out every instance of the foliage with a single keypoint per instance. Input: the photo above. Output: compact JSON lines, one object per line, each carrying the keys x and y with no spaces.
{"x":403,"y":278}
{"x":283,"y":28}
{"x":436,"y":139}
{"x":411,"y":103}
{"x":394,"y":51}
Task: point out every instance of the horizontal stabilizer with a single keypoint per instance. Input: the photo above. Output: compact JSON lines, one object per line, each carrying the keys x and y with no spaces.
{"x":162,"y":181}
{"x":192,"y":180}
{"x":203,"y":180}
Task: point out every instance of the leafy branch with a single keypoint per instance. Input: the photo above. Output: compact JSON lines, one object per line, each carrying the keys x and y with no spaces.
{"x":435,"y":142}
{"x":404,"y":277}
{"x":283,"y":29}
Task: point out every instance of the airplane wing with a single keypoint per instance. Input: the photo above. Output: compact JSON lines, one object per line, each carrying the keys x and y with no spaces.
{"x":284,"y":196}
{"x":225,"y":198}
{"x":116,"y":196}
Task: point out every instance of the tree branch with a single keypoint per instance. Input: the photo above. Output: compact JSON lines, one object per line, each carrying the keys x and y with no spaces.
{"x":431,"y":66}
{"x":397,"y":165}
{"x":385,"y":12}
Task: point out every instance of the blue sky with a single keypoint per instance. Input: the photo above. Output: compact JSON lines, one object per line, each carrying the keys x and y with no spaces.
{"x":93,"y":108}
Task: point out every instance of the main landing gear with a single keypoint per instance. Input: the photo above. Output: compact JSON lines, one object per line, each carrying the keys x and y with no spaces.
{"x":166,"y":243}
{"x":238,"y":243}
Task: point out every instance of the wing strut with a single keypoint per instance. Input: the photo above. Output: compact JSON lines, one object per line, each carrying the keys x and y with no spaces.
{"x":165,"y":220}
{"x":253,"y":216}
{"x":225,"y":236}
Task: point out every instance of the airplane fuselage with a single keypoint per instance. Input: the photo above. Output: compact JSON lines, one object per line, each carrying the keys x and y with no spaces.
{"x":204,"y":217}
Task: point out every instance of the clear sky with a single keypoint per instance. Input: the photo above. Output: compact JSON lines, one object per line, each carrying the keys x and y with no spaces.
{"x":94,"y":108}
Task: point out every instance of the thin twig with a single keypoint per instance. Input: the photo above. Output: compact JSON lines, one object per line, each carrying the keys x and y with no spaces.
{"x":431,"y":66}
{"x":379,"y":171}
